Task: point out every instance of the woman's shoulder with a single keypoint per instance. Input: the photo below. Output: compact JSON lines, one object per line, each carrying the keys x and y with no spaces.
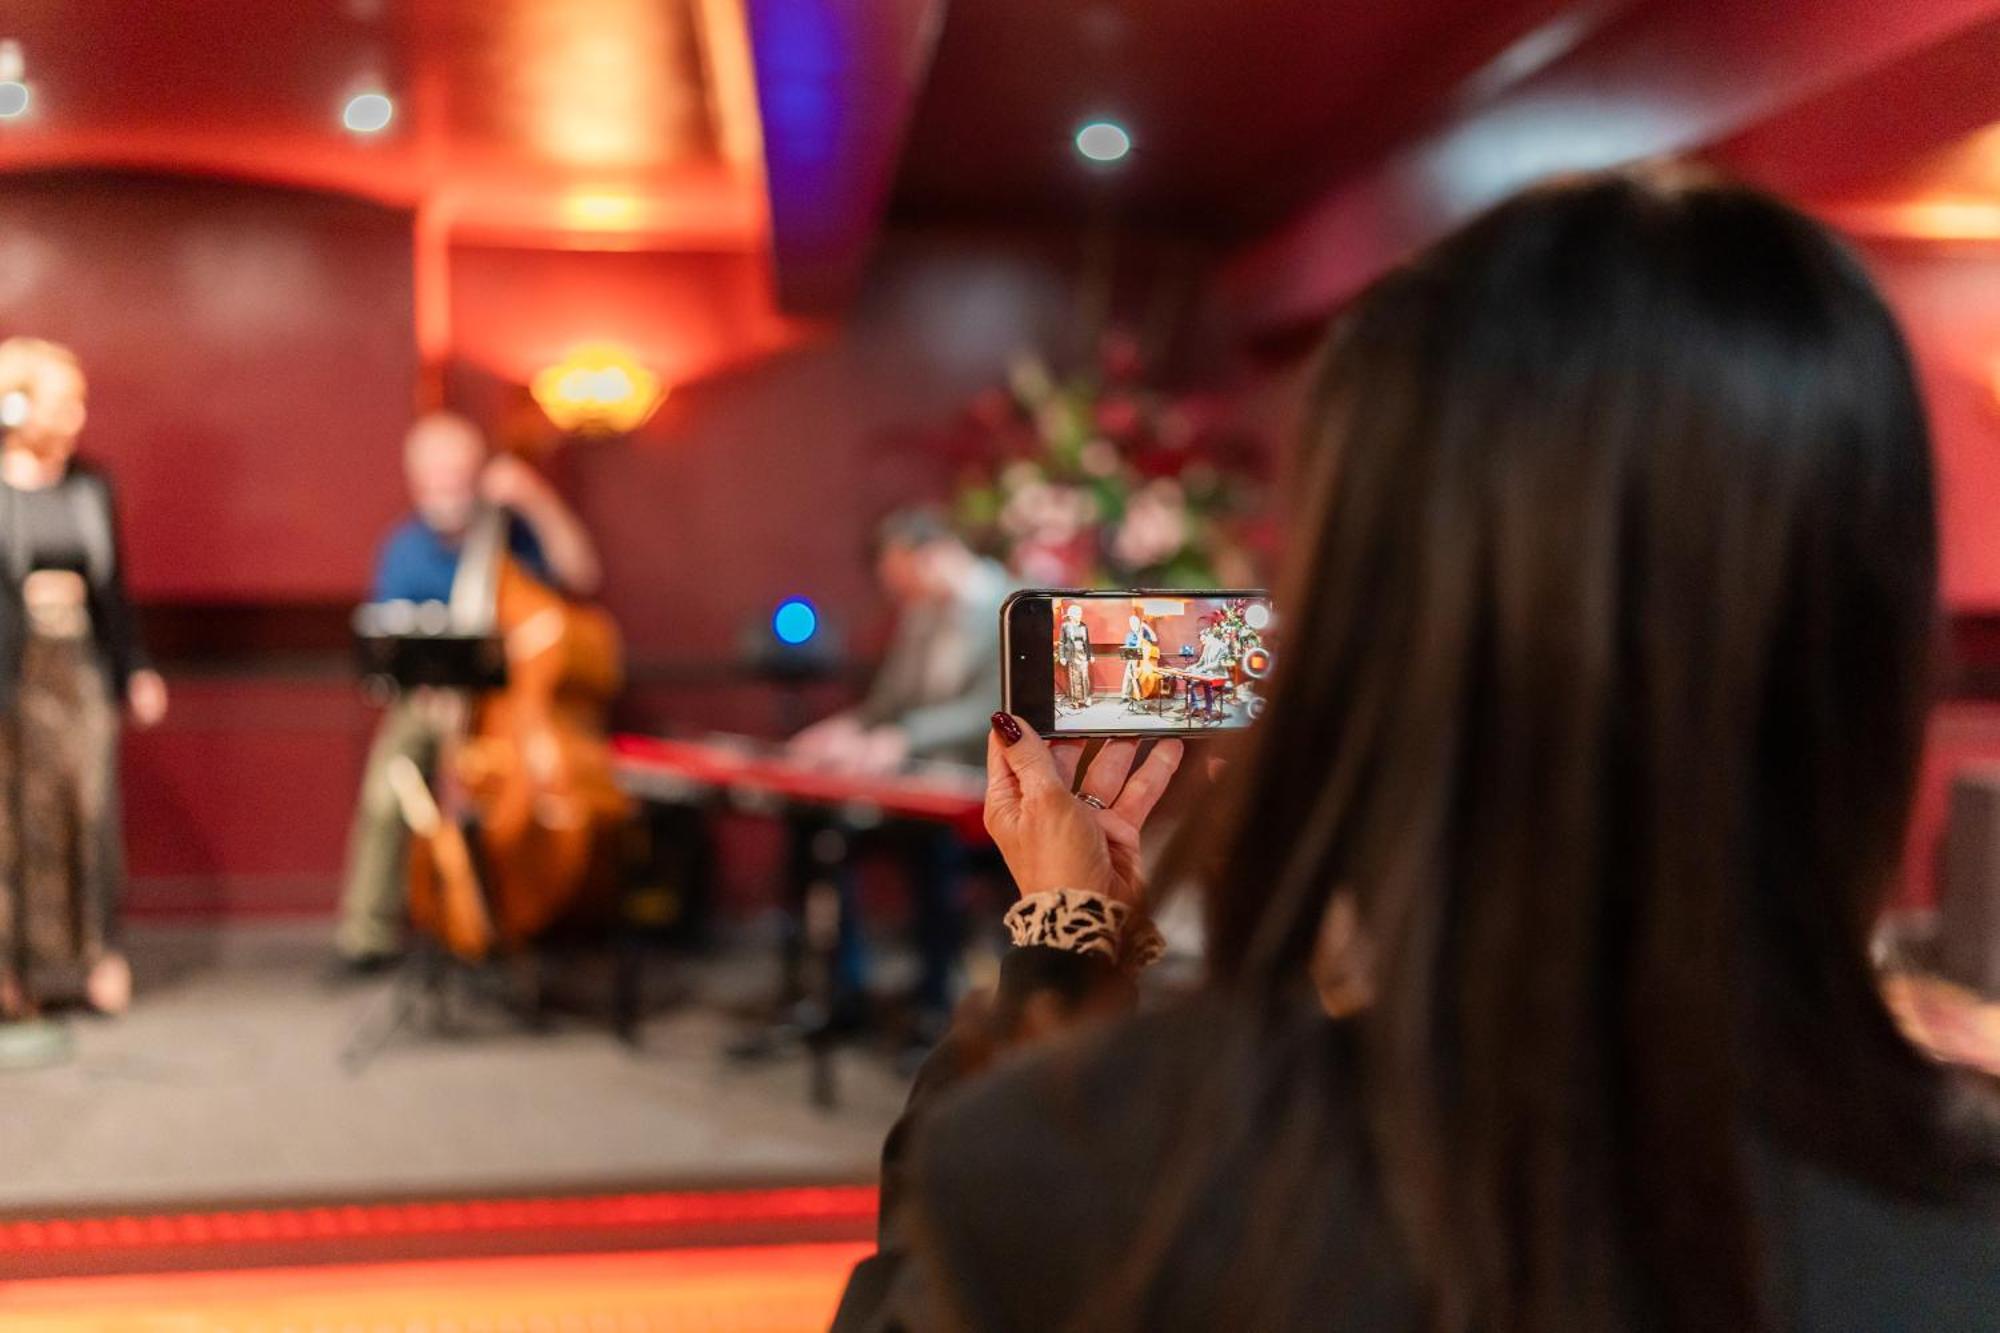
{"x":1075,"y":1087}
{"x":1049,"y":1164}
{"x":1849,"y":1256}
{"x":1035,"y":1166}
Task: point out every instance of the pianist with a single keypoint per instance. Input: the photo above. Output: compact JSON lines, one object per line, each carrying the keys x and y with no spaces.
{"x":931,"y":699}
{"x":447,"y":465}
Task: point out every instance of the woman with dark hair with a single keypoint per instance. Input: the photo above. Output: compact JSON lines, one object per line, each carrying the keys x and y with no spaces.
{"x":1608,"y":644}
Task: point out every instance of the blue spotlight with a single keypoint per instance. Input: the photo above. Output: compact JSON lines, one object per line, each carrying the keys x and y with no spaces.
{"x":795,"y":621}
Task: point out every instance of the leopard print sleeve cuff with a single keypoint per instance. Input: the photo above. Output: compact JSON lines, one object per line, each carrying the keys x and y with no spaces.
{"x":1085,"y":923}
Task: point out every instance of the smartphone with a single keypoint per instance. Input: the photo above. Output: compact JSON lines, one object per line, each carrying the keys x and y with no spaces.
{"x":1136,"y":662}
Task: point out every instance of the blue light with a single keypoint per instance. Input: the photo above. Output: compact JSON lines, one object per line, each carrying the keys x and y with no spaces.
{"x":794,"y":621}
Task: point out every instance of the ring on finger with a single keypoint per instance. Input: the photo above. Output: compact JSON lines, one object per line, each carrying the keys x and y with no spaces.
{"x":1090,"y":800}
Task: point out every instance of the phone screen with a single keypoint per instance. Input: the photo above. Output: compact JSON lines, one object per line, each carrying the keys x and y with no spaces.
{"x":1144,"y":661}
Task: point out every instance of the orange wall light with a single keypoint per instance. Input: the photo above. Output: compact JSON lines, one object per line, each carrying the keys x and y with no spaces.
{"x":598,"y":389}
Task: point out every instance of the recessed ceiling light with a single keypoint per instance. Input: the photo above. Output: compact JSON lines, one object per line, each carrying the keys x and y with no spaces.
{"x":1102,"y":141}
{"x":14,"y":92}
{"x":368,"y":113}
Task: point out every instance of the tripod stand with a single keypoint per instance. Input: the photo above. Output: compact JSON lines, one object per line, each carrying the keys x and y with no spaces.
{"x":432,"y":995}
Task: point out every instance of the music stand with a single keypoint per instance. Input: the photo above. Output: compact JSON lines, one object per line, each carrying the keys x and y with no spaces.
{"x":402,"y":647}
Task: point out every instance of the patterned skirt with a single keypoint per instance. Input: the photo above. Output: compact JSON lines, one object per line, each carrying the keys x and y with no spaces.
{"x":60,"y":841}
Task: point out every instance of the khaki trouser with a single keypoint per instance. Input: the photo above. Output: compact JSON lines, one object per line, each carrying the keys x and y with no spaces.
{"x":374,"y":896}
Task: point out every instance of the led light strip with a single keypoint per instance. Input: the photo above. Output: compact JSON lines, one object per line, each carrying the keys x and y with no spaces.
{"x":852,"y":1203}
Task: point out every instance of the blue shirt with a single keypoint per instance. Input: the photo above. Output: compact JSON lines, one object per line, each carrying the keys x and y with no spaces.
{"x":417,"y":564}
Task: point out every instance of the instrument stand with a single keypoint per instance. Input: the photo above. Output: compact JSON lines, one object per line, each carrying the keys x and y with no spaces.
{"x":424,"y":1002}
{"x":416,"y":1002}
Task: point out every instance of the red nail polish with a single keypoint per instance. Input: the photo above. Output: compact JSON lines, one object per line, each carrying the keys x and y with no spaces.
{"x":1008,"y":729}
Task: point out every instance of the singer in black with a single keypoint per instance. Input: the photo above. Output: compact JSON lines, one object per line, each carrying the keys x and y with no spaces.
{"x":69,"y":654}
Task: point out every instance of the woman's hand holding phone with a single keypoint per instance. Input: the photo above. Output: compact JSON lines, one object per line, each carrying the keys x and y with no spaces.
{"x":1053,"y":839}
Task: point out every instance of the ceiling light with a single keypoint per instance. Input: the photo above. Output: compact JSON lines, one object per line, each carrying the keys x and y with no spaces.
{"x":14,"y":94}
{"x":1102,"y":141}
{"x":598,"y":389}
{"x":600,"y":210}
{"x":368,"y":113}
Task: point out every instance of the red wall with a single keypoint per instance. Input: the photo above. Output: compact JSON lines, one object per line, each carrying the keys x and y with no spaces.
{"x":1948,"y":297}
{"x":686,"y":315}
{"x":239,"y":802}
{"x":251,"y":366}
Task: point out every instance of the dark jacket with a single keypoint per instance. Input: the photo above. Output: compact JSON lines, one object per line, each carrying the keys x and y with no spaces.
{"x":1011,"y":1198}
{"x":114,"y":629}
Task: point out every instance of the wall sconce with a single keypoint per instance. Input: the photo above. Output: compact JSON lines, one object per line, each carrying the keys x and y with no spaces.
{"x":598,"y":389}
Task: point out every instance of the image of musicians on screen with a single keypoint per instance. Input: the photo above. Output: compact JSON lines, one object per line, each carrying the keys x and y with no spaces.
{"x":1170,"y":663}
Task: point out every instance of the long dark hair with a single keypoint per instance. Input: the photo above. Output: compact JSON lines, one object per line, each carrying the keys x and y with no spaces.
{"x":1607,"y":645}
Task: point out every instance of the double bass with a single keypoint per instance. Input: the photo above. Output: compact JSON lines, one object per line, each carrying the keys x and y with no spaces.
{"x":1150,"y":680}
{"x":524,"y":823}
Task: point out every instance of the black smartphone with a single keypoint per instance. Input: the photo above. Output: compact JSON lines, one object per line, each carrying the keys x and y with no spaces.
{"x":1138,"y":661}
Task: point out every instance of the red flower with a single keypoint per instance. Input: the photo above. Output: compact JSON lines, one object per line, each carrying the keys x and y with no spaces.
{"x":1120,"y":356}
{"x":1158,"y":463}
{"x":992,"y":409}
{"x":1119,"y":416}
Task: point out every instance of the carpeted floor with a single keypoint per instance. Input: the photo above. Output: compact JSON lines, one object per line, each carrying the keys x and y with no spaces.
{"x":225,"y":1084}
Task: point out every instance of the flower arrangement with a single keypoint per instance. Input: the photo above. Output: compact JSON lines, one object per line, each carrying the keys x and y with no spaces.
{"x":1232,"y":626}
{"x":1095,"y":480}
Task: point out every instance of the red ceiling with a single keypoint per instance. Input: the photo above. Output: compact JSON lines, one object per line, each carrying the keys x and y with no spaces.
{"x":633,"y":123}
{"x":514,"y":117}
{"x":1239,"y":110}
{"x":1646,"y":79}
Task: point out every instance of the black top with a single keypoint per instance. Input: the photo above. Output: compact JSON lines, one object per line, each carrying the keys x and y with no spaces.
{"x":1010,"y":1199}
{"x":51,"y":534}
{"x":71,"y":525}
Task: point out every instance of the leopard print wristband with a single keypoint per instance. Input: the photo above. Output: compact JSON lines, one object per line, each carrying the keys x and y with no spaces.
{"x":1085,"y":923}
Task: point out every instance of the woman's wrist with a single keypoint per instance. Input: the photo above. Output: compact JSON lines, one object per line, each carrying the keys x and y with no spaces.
{"x":1081,"y":922}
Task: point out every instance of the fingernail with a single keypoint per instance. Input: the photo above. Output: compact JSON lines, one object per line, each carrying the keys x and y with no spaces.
{"x":1008,"y":729}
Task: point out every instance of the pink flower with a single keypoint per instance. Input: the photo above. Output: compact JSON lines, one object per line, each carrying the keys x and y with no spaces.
{"x":1099,"y":458}
{"x":1042,"y":564}
{"x":1155,"y":525}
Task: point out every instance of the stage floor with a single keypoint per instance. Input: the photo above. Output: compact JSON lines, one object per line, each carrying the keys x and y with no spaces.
{"x":225,"y":1085}
{"x":1112,"y":713}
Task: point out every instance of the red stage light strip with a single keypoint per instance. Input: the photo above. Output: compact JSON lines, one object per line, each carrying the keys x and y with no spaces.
{"x":757,"y":1289}
{"x":831,"y":1204}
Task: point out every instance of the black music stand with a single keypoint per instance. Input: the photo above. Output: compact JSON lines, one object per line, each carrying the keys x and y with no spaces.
{"x":400,"y":648}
